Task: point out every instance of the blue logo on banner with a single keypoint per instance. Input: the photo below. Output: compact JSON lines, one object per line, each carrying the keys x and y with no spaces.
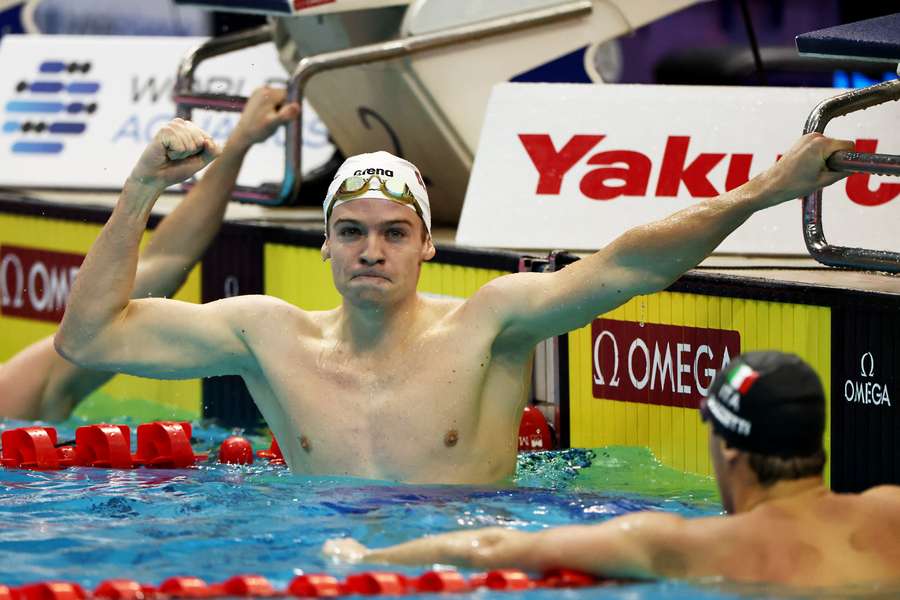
{"x":32,"y":114}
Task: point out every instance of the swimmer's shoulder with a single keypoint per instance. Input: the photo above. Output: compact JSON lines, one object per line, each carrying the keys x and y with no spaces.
{"x":887,"y":496}
{"x":259,"y":311}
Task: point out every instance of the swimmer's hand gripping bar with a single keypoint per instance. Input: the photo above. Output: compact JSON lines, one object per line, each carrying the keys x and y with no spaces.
{"x":287,"y":192}
{"x":849,"y":162}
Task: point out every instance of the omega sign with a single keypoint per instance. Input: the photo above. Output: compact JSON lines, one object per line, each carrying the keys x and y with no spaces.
{"x":658,"y":364}
{"x":35,"y":284}
{"x":865,"y":389}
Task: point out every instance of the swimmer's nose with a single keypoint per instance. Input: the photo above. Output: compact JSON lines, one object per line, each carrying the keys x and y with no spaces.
{"x":373,"y":253}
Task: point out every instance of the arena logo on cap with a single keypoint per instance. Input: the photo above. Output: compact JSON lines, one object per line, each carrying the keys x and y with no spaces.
{"x":35,"y":284}
{"x":374,"y":171}
{"x":52,"y":106}
{"x":627,"y":173}
{"x":658,"y":364}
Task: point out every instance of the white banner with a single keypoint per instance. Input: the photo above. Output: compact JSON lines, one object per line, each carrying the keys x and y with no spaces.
{"x":574,"y":166}
{"x":78,"y":111}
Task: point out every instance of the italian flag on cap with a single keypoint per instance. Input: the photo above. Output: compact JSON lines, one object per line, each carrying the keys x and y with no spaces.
{"x":742,"y":378}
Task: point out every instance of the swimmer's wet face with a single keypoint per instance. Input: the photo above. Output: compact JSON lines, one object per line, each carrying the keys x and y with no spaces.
{"x":376,"y":248}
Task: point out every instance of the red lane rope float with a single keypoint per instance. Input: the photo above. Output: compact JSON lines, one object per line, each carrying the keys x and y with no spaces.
{"x":314,"y":585}
{"x":162,"y":444}
{"x":167,"y":445}
{"x":273,"y":454}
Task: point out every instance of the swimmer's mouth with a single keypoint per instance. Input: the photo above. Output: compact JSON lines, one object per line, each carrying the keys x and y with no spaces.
{"x":370,"y":274}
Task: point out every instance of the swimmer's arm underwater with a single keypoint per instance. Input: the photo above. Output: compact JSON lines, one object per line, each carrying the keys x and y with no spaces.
{"x":647,"y":258}
{"x":636,"y":546}
{"x":104,"y":329}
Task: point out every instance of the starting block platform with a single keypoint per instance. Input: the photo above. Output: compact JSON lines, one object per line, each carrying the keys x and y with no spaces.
{"x":872,"y":39}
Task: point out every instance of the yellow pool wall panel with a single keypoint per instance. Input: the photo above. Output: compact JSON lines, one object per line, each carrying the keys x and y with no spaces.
{"x":676,"y":435}
{"x":60,"y":235}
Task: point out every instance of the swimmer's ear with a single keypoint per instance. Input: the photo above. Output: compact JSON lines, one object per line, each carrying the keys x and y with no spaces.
{"x":428,"y":250}
{"x":326,"y":250}
{"x":731,"y":455}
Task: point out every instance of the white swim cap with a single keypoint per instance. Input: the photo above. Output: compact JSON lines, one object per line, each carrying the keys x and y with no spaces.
{"x":380,"y":166}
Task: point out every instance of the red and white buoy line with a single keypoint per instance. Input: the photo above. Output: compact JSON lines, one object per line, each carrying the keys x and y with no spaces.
{"x":305,"y":586}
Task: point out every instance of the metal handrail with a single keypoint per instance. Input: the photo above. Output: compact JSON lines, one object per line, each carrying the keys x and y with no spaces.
{"x":312,"y":65}
{"x":849,"y":162}
{"x":184,"y":96}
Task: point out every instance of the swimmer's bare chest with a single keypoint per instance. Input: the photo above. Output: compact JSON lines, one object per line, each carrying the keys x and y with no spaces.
{"x":438,"y":408}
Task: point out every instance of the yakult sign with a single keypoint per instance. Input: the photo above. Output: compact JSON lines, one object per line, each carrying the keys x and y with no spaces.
{"x":574,"y":166}
{"x":35,"y":284}
{"x":658,"y":364}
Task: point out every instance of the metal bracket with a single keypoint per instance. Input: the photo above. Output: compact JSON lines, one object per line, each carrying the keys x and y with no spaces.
{"x":288,"y":190}
{"x":849,"y":162}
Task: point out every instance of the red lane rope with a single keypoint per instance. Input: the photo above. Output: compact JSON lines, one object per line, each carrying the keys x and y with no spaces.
{"x":162,"y":444}
{"x":316,"y":585}
{"x":167,"y":445}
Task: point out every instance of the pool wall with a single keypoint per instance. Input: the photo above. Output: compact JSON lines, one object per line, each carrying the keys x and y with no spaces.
{"x":665,"y":343}
{"x":37,"y":244}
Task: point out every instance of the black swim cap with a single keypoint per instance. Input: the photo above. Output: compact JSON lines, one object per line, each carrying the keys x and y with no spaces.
{"x":769,"y":403}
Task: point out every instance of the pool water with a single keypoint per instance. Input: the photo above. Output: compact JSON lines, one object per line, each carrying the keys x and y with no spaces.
{"x":215,"y":521}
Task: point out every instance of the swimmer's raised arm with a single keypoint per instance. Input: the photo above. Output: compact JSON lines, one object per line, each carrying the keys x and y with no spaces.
{"x":104,"y":329}
{"x":648,"y":258}
{"x":183,"y":236}
{"x":37,"y":383}
{"x":636,"y":546}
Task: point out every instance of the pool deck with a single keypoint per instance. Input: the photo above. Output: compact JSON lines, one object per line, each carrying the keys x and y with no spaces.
{"x":792,"y":269}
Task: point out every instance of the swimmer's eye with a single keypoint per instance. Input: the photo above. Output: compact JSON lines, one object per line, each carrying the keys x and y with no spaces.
{"x":347,"y":232}
{"x":396,"y":234}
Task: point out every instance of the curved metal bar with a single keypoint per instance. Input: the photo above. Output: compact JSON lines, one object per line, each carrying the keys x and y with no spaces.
{"x":184,"y":95}
{"x":186,"y":99}
{"x":309,"y":66}
{"x":863,"y":162}
{"x":885,"y":164}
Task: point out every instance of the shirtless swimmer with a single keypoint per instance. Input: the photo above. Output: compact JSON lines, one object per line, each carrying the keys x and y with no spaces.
{"x":391,"y":384}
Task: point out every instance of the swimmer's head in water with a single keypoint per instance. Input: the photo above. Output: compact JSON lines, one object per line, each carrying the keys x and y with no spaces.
{"x":768,"y":403}
{"x":378,"y":175}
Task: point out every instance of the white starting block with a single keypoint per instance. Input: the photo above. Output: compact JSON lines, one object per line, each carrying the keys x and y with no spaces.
{"x":414,"y":77}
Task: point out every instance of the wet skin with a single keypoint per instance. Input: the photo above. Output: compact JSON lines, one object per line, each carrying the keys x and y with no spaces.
{"x":388,"y":365}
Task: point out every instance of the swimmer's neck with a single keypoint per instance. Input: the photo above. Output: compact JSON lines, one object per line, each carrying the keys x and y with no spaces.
{"x":370,"y":326}
{"x":781,"y":493}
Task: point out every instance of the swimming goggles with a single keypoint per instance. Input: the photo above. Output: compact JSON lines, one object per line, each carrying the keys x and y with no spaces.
{"x":393,"y":187}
